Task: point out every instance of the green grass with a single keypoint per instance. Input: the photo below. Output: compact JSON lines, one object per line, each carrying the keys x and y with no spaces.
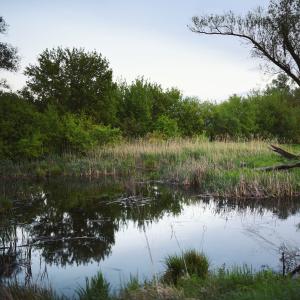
{"x":189,"y":263}
{"x":219,"y":168}
{"x":96,"y":288}
{"x":239,"y":283}
{"x":16,"y":291}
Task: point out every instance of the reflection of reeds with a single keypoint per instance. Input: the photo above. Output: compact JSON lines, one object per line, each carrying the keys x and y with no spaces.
{"x":221,"y":167}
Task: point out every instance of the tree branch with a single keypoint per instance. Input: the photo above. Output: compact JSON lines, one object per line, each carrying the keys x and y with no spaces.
{"x":257,"y":46}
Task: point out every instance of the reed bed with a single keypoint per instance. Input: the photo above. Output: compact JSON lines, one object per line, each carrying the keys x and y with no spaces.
{"x":223,"y":168}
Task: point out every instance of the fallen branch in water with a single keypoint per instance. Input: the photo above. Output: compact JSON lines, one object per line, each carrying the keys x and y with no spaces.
{"x":284,"y":153}
{"x":280,"y":167}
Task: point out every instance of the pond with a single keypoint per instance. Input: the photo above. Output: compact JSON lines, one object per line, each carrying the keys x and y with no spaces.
{"x":62,"y":231}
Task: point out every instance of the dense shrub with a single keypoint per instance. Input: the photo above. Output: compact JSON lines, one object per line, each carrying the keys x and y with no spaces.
{"x":74,"y":133}
{"x":166,"y":126}
{"x":19,"y":128}
{"x":26,"y":133}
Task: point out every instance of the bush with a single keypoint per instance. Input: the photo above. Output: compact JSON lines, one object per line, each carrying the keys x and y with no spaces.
{"x":103,"y":135}
{"x":19,"y":128}
{"x":74,"y":133}
{"x":166,"y":127}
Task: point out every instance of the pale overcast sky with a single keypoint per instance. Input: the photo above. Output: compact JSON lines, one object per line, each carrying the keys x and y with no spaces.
{"x":140,"y":38}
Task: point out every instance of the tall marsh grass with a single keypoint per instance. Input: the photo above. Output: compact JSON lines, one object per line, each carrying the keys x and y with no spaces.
{"x":222,"y":168}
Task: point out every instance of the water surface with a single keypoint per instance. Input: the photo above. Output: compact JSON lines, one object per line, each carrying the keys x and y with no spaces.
{"x":62,"y":231}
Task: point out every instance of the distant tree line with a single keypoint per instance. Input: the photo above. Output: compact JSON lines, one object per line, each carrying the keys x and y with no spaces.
{"x":71,"y":104}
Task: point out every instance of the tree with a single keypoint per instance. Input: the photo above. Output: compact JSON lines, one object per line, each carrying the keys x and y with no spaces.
{"x":135,"y":111}
{"x":190,"y":117}
{"x":166,"y":126}
{"x":75,"y":81}
{"x":8,"y":54}
{"x":274,"y":33}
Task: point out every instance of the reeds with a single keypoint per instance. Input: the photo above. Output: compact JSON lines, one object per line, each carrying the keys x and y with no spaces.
{"x":222,"y":168}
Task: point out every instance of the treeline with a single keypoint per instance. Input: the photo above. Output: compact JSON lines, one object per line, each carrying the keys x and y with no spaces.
{"x":71,"y":103}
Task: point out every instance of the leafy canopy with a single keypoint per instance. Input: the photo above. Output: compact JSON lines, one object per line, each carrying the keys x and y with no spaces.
{"x":72,"y":80}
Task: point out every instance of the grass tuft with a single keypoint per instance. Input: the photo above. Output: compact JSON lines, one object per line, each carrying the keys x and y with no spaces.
{"x":189,"y":263}
{"x":96,"y":288}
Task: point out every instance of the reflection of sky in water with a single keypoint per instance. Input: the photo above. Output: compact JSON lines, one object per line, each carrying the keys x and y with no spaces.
{"x":230,"y":237}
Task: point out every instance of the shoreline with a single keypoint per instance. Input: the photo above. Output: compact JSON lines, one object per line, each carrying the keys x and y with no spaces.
{"x":216,"y":168}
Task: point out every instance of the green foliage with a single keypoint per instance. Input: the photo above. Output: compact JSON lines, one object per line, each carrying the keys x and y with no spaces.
{"x":175,"y":268}
{"x":166,"y":126}
{"x":135,"y":108}
{"x":234,"y":118}
{"x":241,"y":283}
{"x":191,"y":115}
{"x":71,"y":104}
{"x":197,"y":263}
{"x":97,"y":288}
{"x":8,"y":54}
{"x":189,"y":263}
{"x":277,"y":115}
{"x":74,"y":81}
{"x":103,"y":135}
{"x":141,"y":106}
{"x":26,"y":133}
{"x":74,"y":133}
{"x":19,"y":123}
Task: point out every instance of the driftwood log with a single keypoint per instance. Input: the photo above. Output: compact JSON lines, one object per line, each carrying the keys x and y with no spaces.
{"x":285,"y":154}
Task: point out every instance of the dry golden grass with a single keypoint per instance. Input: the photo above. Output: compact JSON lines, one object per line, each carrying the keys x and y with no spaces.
{"x":224,"y":168}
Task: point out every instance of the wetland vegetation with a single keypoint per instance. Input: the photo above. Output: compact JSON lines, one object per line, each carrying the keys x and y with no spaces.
{"x":220,"y":168}
{"x":102,"y":179}
{"x":49,"y":228}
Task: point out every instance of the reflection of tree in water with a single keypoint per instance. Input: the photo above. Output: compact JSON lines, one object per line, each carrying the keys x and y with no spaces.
{"x":8,"y":251}
{"x":282,"y":208}
{"x":74,"y":222}
{"x":12,"y":258}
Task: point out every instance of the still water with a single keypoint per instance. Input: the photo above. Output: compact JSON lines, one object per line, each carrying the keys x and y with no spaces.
{"x":62,"y":231}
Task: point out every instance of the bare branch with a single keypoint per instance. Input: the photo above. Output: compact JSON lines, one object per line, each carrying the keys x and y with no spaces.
{"x":273,"y":33}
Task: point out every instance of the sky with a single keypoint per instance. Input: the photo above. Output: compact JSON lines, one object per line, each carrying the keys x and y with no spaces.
{"x":146,"y":38}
